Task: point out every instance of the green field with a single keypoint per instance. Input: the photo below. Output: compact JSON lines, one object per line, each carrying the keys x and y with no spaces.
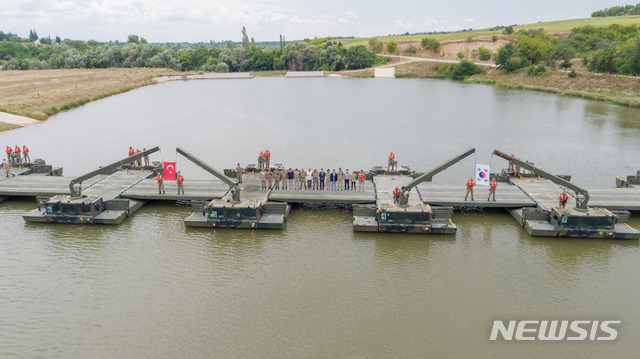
{"x":551,"y":27}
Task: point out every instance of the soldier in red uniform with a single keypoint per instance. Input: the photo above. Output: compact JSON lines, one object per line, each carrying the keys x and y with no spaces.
{"x":563,"y":199}
{"x":492,"y":189}
{"x":17,"y":151}
{"x":160,"y":179}
{"x":396,"y":195}
{"x":25,"y":153}
{"x":267,"y":157}
{"x":470,"y":184}
{"x":180,"y":181}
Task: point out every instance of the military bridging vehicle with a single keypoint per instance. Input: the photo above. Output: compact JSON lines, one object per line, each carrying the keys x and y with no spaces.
{"x":101,"y":205}
{"x":234,"y":211}
{"x":577,"y":220}
{"x":408,"y":213}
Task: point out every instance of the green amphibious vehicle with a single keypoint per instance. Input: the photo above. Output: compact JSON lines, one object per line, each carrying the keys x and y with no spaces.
{"x":575,"y":219}
{"x":409,"y":214}
{"x":100,"y":202}
{"x":256,"y":214}
{"x":244,"y":206}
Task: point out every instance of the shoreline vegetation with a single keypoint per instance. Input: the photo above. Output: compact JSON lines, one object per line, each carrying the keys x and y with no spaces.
{"x":584,"y":58}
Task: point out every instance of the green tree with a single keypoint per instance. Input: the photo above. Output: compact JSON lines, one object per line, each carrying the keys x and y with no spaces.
{"x":300,"y":56}
{"x":133,"y":39}
{"x":504,"y":54}
{"x":564,"y":51}
{"x":357,"y":57}
{"x":58,"y":40}
{"x":508,"y":30}
{"x":245,"y":39}
{"x":635,"y":59}
{"x":33,"y":35}
{"x":392,"y":47}
{"x":222,"y":67}
{"x":535,"y":48}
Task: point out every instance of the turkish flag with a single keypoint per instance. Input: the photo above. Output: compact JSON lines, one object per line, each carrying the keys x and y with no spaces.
{"x":169,"y":171}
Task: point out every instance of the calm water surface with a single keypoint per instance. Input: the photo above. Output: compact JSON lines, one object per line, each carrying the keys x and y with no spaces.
{"x":153,"y":288}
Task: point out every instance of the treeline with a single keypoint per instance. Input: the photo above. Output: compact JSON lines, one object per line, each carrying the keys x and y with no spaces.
{"x":308,"y":55}
{"x":612,"y":49}
{"x":618,"y":11}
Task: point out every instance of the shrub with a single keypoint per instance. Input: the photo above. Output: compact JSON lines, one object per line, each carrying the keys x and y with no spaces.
{"x":573,"y":74}
{"x":14,"y":64}
{"x":536,"y":70}
{"x":36,"y":64}
{"x":430,"y":43}
{"x":483,"y":53}
{"x":566,"y":64}
{"x":392,"y":47}
{"x":461,"y":55}
{"x":376,"y":45}
{"x":464,"y":69}
{"x":494,"y":38}
{"x":411,"y":50}
{"x":441,"y":67}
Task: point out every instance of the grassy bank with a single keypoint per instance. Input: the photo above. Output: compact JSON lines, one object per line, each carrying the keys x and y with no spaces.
{"x":6,"y":127}
{"x":39,"y":94}
{"x":610,"y":88}
{"x":562,"y":26}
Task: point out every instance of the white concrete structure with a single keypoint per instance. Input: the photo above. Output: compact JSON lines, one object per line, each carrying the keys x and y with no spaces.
{"x":385,"y":72}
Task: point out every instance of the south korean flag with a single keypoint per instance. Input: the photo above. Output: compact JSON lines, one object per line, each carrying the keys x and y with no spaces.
{"x":482,"y":174}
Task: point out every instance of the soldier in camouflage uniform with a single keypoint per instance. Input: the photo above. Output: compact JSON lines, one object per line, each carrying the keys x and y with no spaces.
{"x":301,"y":182}
{"x":296,"y":179}
{"x":270,"y":178}
{"x":327,"y":186}
{"x":276,"y":179}
{"x":7,"y":167}
{"x":239,"y":173}
{"x":340,"y":179}
{"x":316,"y":180}
{"x":283,"y":178}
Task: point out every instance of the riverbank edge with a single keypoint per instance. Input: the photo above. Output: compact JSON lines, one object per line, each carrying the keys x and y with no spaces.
{"x":487,"y":79}
{"x":57,"y":108}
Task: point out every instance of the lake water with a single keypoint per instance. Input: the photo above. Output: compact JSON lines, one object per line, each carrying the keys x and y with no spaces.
{"x":153,"y":288}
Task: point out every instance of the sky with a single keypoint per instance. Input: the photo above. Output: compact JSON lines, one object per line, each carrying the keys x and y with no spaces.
{"x":266,"y":20}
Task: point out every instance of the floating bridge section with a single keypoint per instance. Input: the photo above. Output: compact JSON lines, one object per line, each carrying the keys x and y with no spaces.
{"x":126,"y":188}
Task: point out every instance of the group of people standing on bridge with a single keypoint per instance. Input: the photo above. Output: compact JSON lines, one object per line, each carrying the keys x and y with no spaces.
{"x":179,"y":182}
{"x":15,"y":157}
{"x":264,"y":159}
{"x":138,"y":162}
{"x":493,"y":185}
{"x":310,"y":180}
